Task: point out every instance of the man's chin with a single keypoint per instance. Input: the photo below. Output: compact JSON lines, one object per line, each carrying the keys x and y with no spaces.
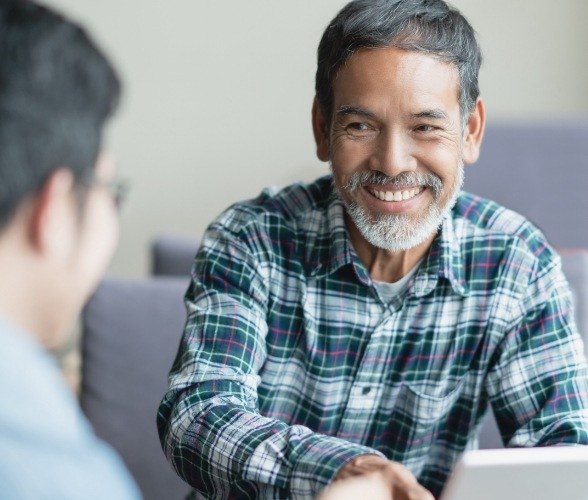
{"x":395,"y":232}
{"x":394,"y":243}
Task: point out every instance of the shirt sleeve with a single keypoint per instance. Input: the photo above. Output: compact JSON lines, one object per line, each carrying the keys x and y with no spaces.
{"x":47,"y":447}
{"x":210,"y":426}
{"x":539,"y":385}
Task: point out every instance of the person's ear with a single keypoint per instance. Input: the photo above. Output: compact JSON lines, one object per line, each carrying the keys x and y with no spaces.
{"x":321,"y":132}
{"x":474,"y":133}
{"x":53,"y":220}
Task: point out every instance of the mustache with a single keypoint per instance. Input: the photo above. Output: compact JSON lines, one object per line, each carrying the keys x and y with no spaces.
{"x":402,"y":180}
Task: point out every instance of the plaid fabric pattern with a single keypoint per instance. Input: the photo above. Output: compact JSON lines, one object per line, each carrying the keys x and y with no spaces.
{"x":291,"y":363}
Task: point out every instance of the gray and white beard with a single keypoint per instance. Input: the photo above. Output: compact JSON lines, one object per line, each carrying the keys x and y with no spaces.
{"x":399,"y":232}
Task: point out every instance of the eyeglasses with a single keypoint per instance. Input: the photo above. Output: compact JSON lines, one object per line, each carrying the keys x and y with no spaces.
{"x":117,"y":188}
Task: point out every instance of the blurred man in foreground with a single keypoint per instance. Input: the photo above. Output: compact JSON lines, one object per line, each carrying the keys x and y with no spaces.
{"x":58,"y":230}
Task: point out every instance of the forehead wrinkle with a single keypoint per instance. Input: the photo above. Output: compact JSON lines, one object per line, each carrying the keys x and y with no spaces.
{"x":392,"y":82}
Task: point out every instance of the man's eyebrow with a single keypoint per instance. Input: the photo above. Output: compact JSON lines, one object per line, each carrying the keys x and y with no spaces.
{"x":434,"y":114}
{"x":354,"y":110}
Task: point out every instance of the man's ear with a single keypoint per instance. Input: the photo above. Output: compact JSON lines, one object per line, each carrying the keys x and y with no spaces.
{"x":474,"y":133}
{"x":321,"y":132}
{"x":53,"y":215}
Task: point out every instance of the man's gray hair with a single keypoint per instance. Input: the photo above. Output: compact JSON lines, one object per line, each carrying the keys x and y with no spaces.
{"x":429,"y":26}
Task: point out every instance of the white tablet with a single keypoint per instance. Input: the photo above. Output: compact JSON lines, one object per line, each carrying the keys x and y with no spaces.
{"x":547,"y":473}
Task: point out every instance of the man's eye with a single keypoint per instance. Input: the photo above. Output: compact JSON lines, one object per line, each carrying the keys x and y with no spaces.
{"x":358,"y":128}
{"x":425,"y":128}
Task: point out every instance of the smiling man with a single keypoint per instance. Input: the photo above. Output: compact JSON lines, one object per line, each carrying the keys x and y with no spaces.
{"x":364,"y":324}
{"x":397,"y":145}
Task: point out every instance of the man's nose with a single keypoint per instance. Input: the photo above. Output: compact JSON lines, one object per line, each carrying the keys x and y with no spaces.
{"x":393,"y":154}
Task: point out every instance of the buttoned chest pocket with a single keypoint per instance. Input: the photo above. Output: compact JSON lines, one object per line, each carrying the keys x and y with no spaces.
{"x":417,"y":416}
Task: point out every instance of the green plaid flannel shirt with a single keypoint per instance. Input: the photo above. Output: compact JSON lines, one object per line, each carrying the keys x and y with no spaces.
{"x":291,"y":364}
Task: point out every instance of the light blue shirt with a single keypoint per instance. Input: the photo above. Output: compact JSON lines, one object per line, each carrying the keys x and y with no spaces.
{"x":47,"y":447}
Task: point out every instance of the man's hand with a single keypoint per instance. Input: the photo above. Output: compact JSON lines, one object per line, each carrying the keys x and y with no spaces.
{"x":375,"y":478}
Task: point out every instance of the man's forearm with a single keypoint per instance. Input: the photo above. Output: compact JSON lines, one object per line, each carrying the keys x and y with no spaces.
{"x":219,"y":446}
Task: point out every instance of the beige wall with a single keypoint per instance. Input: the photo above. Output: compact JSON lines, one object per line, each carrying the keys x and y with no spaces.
{"x":218,"y":94}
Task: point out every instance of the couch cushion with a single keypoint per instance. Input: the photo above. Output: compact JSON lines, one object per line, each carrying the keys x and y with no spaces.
{"x":172,"y":255}
{"x":131,"y":331}
{"x":540,"y":171}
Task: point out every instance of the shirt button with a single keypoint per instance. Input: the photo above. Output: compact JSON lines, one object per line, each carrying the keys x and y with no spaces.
{"x":366,"y":390}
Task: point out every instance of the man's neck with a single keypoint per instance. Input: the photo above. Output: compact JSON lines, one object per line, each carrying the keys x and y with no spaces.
{"x":385,"y":265}
{"x":22,"y":301}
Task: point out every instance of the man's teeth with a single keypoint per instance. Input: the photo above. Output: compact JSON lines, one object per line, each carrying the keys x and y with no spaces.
{"x":407,"y":194}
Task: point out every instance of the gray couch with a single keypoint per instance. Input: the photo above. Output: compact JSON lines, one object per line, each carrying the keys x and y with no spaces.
{"x":131,"y":329}
{"x":540,"y":171}
{"x":131,"y":332}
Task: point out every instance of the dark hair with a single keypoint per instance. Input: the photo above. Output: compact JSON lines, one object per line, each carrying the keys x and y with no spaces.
{"x":56,"y":91}
{"x":429,"y":26}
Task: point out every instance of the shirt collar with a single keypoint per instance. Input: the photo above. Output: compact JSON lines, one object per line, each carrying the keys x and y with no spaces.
{"x":444,"y":259}
{"x":333,"y":250}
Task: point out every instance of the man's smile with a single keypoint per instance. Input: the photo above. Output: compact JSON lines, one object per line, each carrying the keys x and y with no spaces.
{"x":395,"y":194}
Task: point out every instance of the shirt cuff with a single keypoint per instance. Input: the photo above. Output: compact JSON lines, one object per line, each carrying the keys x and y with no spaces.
{"x":320,"y":462}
